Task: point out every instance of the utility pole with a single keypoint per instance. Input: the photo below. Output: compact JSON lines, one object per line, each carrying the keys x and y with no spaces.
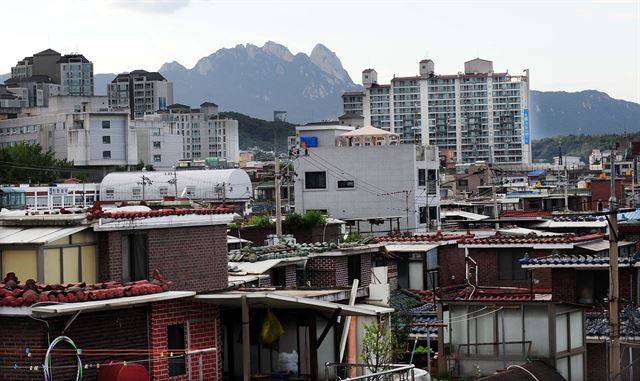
{"x":278,"y":116}
{"x":406,"y":206}
{"x":566,"y":186}
{"x":174,"y":180}
{"x":614,"y":317}
{"x":144,"y":182}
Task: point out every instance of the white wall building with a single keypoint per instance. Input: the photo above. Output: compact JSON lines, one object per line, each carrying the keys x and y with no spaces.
{"x":365,"y":175}
{"x":140,"y":91}
{"x":478,"y":114}
{"x":79,"y":129}
{"x":159,"y":143}
{"x":205,"y":134}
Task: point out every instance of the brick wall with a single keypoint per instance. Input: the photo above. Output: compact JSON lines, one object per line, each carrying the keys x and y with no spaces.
{"x":120,"y":329}
{"x":291,"y":279}
{"x":488,"y":275}
{"x":365,"y":270}
{"x":452,"y":264}
{"x":334,"y":271}
{"x":202,"y":322}
{"x":601,"y":191}
{"x":392,"y":275}
{"x":596,"y":362}
{"x":194,"y":258}
{"x":564,"y":285}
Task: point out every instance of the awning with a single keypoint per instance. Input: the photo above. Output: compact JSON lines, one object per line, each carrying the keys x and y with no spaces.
{"x":571,"y":224}
{"x":409,"y":248}
{"x":274,"y":300}
{"x":36,"y":236}
{"x":525,"y":231}
{"x":98,"y":305}
{"x":463,"y":214}
{"x":601,"y":245}
{"x":260,"y":267}
{"x":232,"y":239}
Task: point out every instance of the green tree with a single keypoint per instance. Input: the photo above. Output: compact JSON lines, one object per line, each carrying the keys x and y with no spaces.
{"x":29,"y":162}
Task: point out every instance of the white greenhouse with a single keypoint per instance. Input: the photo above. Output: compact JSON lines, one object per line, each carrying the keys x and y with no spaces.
{"x":232,"y":185}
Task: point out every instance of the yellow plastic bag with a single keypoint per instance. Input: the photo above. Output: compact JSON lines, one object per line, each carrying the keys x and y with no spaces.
{"x":271,"y":329}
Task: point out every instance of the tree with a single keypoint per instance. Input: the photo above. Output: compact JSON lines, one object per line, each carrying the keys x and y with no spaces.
{"x":379,"y":346}
{"x":28,"y":162}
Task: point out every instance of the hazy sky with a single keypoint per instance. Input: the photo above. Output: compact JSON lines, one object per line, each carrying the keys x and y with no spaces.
{"x":568,"y":45}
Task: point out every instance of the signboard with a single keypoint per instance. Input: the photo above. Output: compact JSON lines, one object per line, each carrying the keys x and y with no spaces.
{"x":55,"y":191}
{"x":526,"y":125}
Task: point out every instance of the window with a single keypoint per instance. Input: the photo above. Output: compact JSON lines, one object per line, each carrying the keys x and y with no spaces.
{"x":156,"y":145}
{"x":136,"y":193}
{"x":157,"y":158}
{"x":106,"y":140}
{"x":134,"y":257}
{"x":345,"y":184}
{"x":164,"y":191}
{"x":191,"y":191}
{"x":509,"y":267}
{"x":106,"y":124}
{"x":422,"y":177}
{"x":591,"y":286}
{"x":106,"y":154}
{"x":315,"y":180}
{"x":175,"y":341}
{"x":109,"y":193}
{"x":279,"y":277}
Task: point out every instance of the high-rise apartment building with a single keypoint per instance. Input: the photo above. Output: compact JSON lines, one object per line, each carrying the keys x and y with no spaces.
{"x":205,"y":134}
{"x":73,"y":72}
{"x":479,"y":115}
{"x":141,"y":92}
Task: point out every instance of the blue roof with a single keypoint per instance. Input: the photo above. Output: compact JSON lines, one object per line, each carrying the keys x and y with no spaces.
{"x":536,"y":173}
{"x":11,"y":190}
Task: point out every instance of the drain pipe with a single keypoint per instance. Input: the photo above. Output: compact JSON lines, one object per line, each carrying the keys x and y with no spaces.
{"x":468,"y":258}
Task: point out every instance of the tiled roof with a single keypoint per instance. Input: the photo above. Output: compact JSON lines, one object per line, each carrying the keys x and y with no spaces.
{"x":466,"y":292}
{"x":597,"y":323}
{"x":577,"y":260}
{"x":439,"y":236}
{"x":262,"y":253}
{"x":14,"y":293}
{"x":579,"y":218}
{"x":499,"y":239}
{"x":525,"y":213}
{"x":97,"y":212}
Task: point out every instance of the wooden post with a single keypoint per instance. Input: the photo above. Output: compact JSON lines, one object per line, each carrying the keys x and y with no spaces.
{"x":246,"y":344}
{"x":441,"y":362}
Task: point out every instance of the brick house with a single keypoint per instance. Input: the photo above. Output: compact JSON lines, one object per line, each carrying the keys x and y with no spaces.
{"x":96,"y":279}
{"x":584,"y":279}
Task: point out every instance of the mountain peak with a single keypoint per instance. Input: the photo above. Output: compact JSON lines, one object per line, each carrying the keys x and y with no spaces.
{"x":328,"y":62}
{"x":172,"y":66}
{"x":277,"y":50}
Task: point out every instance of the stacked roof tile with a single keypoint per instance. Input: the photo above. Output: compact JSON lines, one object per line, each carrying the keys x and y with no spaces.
{"x":14,"y":293}
{"x":525,"y":213}
{"x":597,"y":323}
{"x":290,"y":250}
{"x":499,"y":239}
{"x":439,"y":236}
{"x":573,"y":260}
{"x":96,"y":213}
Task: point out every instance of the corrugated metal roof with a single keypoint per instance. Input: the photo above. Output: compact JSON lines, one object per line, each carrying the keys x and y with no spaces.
{"x":410,"y":248}
{"x":463,"y":214}
{"x":35,"y":236}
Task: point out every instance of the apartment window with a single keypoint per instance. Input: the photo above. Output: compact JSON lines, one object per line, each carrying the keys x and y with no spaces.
{"x":509,"y":267}
{"x":157,"y":158}
{"x":422,"y":177}
{"x":106,"y":140}
{"x":156,"y":145}
{"x":591,"y":286}
{"x":175,"y":341}
{"x":346,"y":184}
{"x":106,"y":124}
{"x":315,"y":180}
{"x":134,"y":257}
{"x":106,"y":154}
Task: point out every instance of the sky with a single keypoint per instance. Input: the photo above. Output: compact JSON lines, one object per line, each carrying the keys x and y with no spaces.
{"x":567,"y":45}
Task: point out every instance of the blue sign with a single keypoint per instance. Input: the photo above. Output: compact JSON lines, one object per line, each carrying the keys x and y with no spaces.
{"x":308,"y":141}
{"x":526,"y":126}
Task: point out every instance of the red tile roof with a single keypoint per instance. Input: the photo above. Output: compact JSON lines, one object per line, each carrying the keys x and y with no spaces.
{"x":96,"y":212}
{"x":13,"y":293}
{"x":499,"y":239}
{"x":525,"y":213}
{"x":466,"y":292}
{"x":439,"y":236}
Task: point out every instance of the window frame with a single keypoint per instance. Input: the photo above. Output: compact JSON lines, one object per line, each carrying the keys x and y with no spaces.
{"x":106,"y":124}
{"x":512,"y":272}
{"x":106,"y":155}
{"x":352,"y":183}
{"x":106,"y":139}
{"x":322,"y":182}
{"x":177,"y":365}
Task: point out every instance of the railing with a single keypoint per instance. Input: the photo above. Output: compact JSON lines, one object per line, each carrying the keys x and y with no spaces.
{"x":496,"y":350}
{"x":391,"y":372}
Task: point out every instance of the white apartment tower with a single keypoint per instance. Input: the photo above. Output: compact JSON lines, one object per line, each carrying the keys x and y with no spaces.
{"x":478,"y":115}
{"x":141,"y":92}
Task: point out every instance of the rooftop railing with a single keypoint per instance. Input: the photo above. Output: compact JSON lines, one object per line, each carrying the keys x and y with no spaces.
{"x":390,"y":372}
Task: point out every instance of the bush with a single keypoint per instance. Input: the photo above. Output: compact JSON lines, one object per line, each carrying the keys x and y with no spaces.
{"x":354,"y":237}
{"x":262,"y":221}
{"x":313,"y":218}
{"x":292,"y":220}
{"x":232,"y":225}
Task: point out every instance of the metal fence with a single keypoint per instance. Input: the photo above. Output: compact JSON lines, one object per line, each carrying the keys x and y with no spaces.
{"x":391,"y":372}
